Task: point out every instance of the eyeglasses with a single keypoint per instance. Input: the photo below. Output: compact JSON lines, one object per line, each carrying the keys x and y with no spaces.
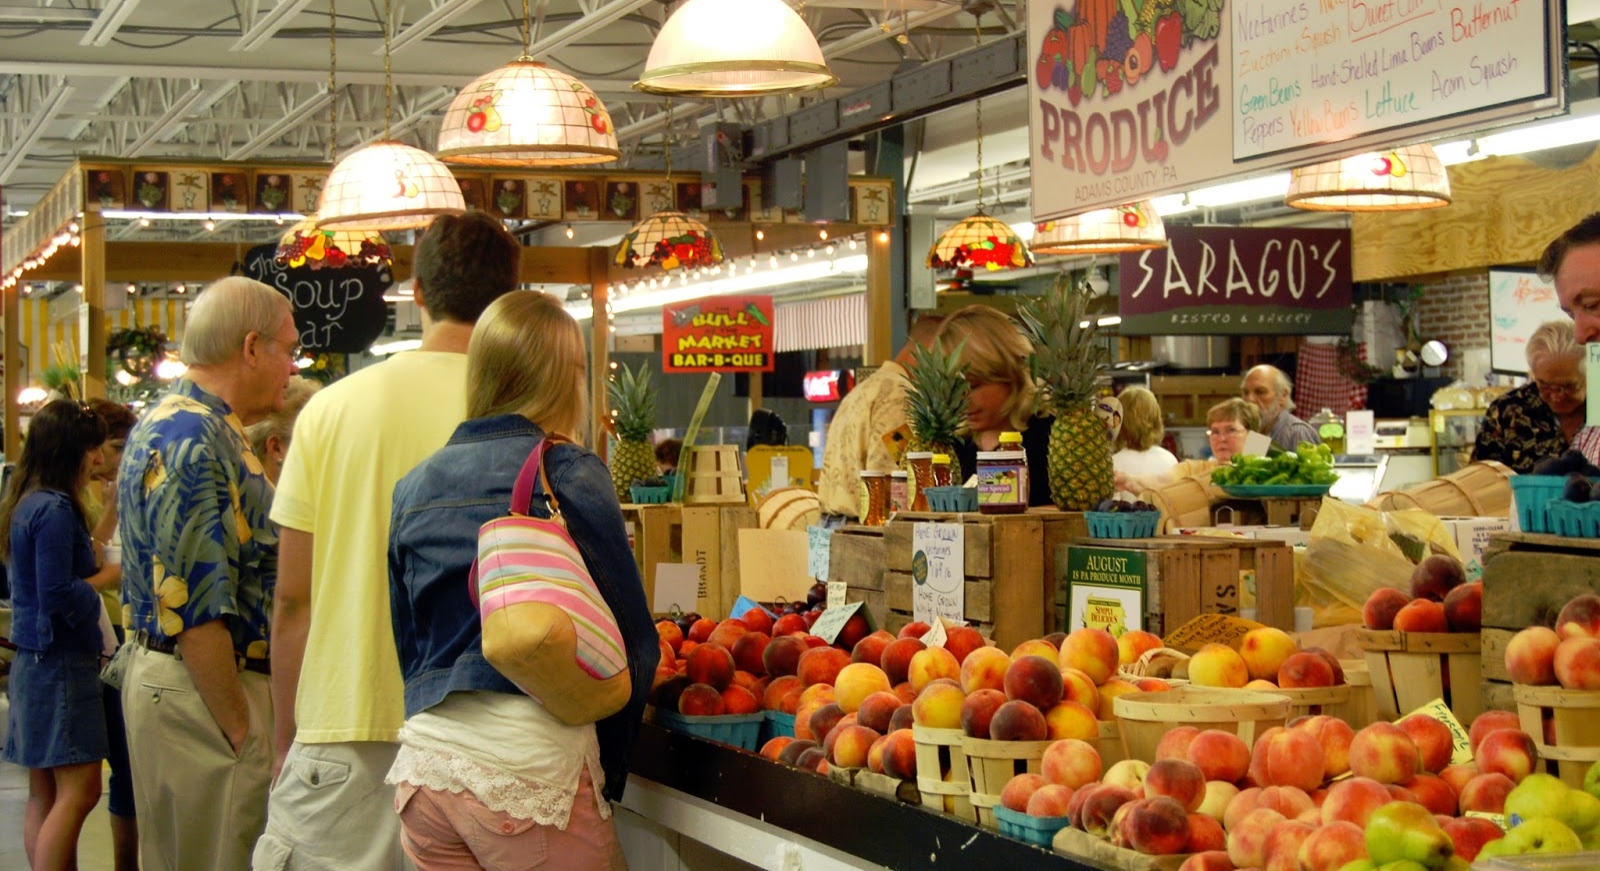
{"x":1224,"y":432}
{"x":295,"y":351}
{"x":1569,"y":388}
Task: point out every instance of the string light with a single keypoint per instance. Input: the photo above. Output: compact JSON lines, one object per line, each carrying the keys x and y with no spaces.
{"x":569,"y":231}
{"x":852,"y":243}
{"x":760,"y":234}
{"x":209,"y":225}
{"x":811,"y":252}
{"x":793,"y":257}
{"x":883,"y":237}
{"x":823,"y":234}
{"x":773,"y":261}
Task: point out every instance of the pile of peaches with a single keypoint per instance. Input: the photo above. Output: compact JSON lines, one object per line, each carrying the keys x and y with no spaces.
{"x":1268,"y":659}
{"x":1568,"y":655}
{"x":1308,"y":797}
{"x":1440,"y":600}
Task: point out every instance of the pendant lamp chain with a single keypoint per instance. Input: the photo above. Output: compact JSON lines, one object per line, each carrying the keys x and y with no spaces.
{"x":666,"y":141}
{"x":527,"y":32}
{"x":388,"y":78}
{"x":333,"y":66}
{"x":977,"y":27}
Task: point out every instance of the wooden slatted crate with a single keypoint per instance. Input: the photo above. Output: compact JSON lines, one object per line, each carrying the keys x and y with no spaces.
{"x":656,"y":532}
{"x":1527,"y":579}
{"x":857,"y":558}
{"x":1411,"y":669}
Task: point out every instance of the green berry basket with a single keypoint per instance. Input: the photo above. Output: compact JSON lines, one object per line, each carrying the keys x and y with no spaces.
{"x":1122,"y":524}
{"x":1038,"y":831}
{"x":739,"y":730}
{"x":961,"y":500}
{"x":650,"y":495}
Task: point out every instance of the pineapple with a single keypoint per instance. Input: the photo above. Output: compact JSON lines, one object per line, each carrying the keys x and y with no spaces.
{"x":1068,"y":361}
{"x":936,"y":402}
{"x":633,"y":418}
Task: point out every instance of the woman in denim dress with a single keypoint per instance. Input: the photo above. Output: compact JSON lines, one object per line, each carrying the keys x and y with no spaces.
{"x":57,"y":720}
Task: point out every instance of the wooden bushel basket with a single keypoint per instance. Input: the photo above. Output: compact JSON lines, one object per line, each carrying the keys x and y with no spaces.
{"x":1184,"y":502}
{"x":1481,"y":489}
{"x":1360,"y":707}
{"x":942,"y":771}
{"x":1577,"y":727}
{"x":1145,"y":717}
{"x":1109,"y":744}
{"x":1411,"y":669}
{"x":993,"y":764}
{"x":714,"y":476}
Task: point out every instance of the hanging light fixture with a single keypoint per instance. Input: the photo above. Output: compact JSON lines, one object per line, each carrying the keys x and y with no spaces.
{"x":1409,"y":177}
{"x":388,"y":185}
{"x":527,"y":114}
{"x":1131,"y":227}
{"x":670,"y":239}
{"x":734,"y":48}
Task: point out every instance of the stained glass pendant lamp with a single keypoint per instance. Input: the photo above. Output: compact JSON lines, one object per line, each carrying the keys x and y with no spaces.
{"x":304,"y":245}
{"x":671,"y":239}
{"x":734,"y":48}
{"x":1131,"y":227}
{"x":980,"y":241}
{"x":1410,"y":177}
{"x":527,"y":114}
{"x":388,"y":185}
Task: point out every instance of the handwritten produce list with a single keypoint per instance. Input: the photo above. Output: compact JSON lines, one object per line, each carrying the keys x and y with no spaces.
{"x":1313,"y":71}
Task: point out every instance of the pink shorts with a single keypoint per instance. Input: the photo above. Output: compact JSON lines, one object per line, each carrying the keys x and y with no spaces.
{"x":449,"y":831}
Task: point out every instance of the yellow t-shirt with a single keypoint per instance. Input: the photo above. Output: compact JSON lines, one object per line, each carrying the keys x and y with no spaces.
{"x":353,"y":442}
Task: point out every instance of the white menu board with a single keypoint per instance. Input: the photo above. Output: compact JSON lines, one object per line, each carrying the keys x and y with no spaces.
{"x":1519,"y":301}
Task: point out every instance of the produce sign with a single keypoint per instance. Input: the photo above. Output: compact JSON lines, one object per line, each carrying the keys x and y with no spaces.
{"x":1232,"y":280}
{"x":1307,"y":464}
{"x":718,"y":334}
{"x":1105,"y":589}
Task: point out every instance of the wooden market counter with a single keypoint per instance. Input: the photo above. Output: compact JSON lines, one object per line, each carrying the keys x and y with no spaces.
{"x":772,"y":816}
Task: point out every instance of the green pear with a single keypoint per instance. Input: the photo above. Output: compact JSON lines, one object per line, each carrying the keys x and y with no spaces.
{"x":1538,"y":795}
{"x":1456,"y":863}
{"x":1494,"y":849}
{"x":1404,"y":830}
{"x":1591,"y":781}
{"x":1582,"y":812}
{"x":1541,"y":835}
{"x":1403,"y":865}
{"x":1358,"y":865}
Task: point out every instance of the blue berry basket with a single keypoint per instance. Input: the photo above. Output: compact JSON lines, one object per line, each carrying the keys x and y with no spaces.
{"x":738,"y":730}
{"x":777,"y":725}
{"x":1574,"y":519}
{"x":952,"y":499}
{"x":650,"y":495}
{"x":1534,"y":494}
{"x":1039,"y":831}
{"x":1122,"y":524}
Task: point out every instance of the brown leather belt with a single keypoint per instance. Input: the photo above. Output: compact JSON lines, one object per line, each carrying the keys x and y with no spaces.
{"x":169,"y":647}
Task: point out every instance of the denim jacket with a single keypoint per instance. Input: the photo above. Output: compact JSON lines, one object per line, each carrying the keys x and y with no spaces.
{"x":55,"y":609}
{"x":433,"y":539}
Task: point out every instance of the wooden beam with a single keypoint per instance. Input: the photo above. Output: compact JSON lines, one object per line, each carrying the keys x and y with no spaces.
{"x":92,"y":275}
{"x":739,"y":240}
{"x":880,"y":301}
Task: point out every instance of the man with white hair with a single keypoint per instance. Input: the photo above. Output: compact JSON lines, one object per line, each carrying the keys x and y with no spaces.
{"x":1272,"y":392}
{"x":199,"y":561}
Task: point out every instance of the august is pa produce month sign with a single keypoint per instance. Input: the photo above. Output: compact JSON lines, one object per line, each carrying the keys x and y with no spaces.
{"x":718,"y":334}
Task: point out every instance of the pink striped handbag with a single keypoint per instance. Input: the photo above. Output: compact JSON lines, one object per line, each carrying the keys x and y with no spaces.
{"x":545,"y":625}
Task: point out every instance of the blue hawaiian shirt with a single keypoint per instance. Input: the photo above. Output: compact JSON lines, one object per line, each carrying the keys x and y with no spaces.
{"x":197,"y":544}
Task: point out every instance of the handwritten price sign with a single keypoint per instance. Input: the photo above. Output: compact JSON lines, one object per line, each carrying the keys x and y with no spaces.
{"x":938,"y":553}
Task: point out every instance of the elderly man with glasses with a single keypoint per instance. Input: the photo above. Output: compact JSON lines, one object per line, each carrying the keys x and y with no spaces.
{"x":1538,"y":420}
{"x":1272,"y":392}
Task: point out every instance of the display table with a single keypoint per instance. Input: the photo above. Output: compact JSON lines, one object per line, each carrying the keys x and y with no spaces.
{"x":772,"y":816}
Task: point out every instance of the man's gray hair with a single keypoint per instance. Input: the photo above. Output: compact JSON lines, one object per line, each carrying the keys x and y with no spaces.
{"x":1280,"y":383}
{"x":224,"y":313}
{"x":1553,"y":340}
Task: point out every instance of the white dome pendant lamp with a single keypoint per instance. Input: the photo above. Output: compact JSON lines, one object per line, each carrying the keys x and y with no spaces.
{"x":734,"y":48}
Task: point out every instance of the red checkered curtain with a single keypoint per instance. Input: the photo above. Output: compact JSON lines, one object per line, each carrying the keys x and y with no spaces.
{"x":1319,"y":384}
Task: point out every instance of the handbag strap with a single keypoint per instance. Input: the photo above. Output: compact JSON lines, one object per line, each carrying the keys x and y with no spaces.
{"x":533,"y":468}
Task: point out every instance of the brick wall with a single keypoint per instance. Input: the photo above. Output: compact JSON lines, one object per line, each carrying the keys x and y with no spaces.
{"x":1455,"y":310}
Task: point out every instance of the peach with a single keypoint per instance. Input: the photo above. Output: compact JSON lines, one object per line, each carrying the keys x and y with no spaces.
{"x":1136,"y":643}
{"x":1070,"y":762}
{"x":1289,"y":758}
{"x":1018,"y":790}
{"x":790,"y":754}
{"x":1531,"y":656}
{"x":1287,"y":800}
{"x":1128,"y":774}
{"x":1421,"y":615}
{"x":903,"y":718}
{"x":1205,"y":835}
{"x":1282,"y":849}
{"x":821,"y":693}
{"x":1385,"y":753}
{"x":821,"y":665}
{"x":1157,"y":826}
{"x":1071,"y":720}
{"x":1332,"y":846}
{"x":1032,"y":679}
{"x":914,"y":629}
{"x":742,"y":678}
{"x":1434,"y":741}
{"x":1218,"y":665}
{"x":875,"y":755}
{"x":1092,"y":651}
{"x":938,"y":707}
{"x":822,"y":721}
{"x":1459,"y":775}
{"x":1471,"y":834}
{"x":1577,"y":663}
{"x":1174,"y":744}
{"x":1264,"y":651}
{"x":748,"y":650}
{"x":1018,"y":721}
{"x":1433,"y":793}
{"x":1435,"y":577}
{"x":856,"y":681}
{"x":782,"y":655}
{"x":1400,"y":793}
{"x":1486,"y":793}
{"x":978,"y":711}
{"x":1100,"y":806}
{"x":905,"y":692}
{"x":1108,"y":693}
{"x":700,"y":700}
{"x":1049,"y":800}
{"x":758,"y":620}
{"x":870,"y":649}
{"x":665,"y":694}
{"x":877,"y":709}
{"x":896,"y":658}
{"x":1078,"y":686}
{"x":985,"y":669}
{"x":811,"y":640}
{"x":1354,"y":800}
{"x":1463,"y":608}
{"x":1305,"y":670}
{"x":931,"y":664}
{"x":1487,"y":722}
{"x":852,"y":632}
{"x":1152,"y":685}
{"x":1220,"y":755}
{"x":1260,"y":686}
{"x":669,"y":632}
{"x":1247,"y":841}
{"x":1240,"y":806}
{"x":1179,"y":779}
{"x":1218,"y":795}
{"x":1333,"y":662}
{"x":962,"y":640}
{"x":1382,"y":606}
{"x":1210,"y":860}
{"x":772,"y":748}
{"x":852,"y":746}
{"x":712,"y":664}
{"x":700,"y":631}
{"x":1034,"y":647}
{"x":900,"y":755}
{"x":814,"y":759}
{"x":1335,"y":736}
{"x":1507,"y":751}
{"x":738,"y":700}
{"x":788,"y":624}
{"x":1579,"y":617}
{"x":728,"y":632}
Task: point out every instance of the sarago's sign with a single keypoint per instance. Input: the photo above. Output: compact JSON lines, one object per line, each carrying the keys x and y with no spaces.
{"x":718,"y":334}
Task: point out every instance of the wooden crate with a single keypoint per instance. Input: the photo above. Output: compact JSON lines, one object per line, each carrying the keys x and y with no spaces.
{"x":993,"y":764}
{"x":1360,"y":709}
{"x":710,"y":540}
{"x":1575,"y":724}
{"x":657,"y":535}
{"x":1007,"y":559}
{"x":1527,"y":579}
{"x":856,"y":558}
{"x":942,"y":771}
{"x":1298,"y":512}
{"x":1411,"y":669}
{"x":714,"y":476}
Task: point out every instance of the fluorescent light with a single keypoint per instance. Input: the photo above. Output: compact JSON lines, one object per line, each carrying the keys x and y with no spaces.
{"x":1109,"y":321}
{"x":854,"y":264}
{"x":394,"y":347}
{"x":268,"y":24}
{"x":105,"y":25}
{"x":1458,"y":151}
{"x":1571,"y":130}
{"x":1269,"y":187}
{"x":424,"y":27}
{"x":277,"y":218}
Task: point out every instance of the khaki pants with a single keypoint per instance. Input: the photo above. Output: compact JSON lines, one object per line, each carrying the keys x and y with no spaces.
{"x":201,"y":807}
{"x":330,"y":811}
